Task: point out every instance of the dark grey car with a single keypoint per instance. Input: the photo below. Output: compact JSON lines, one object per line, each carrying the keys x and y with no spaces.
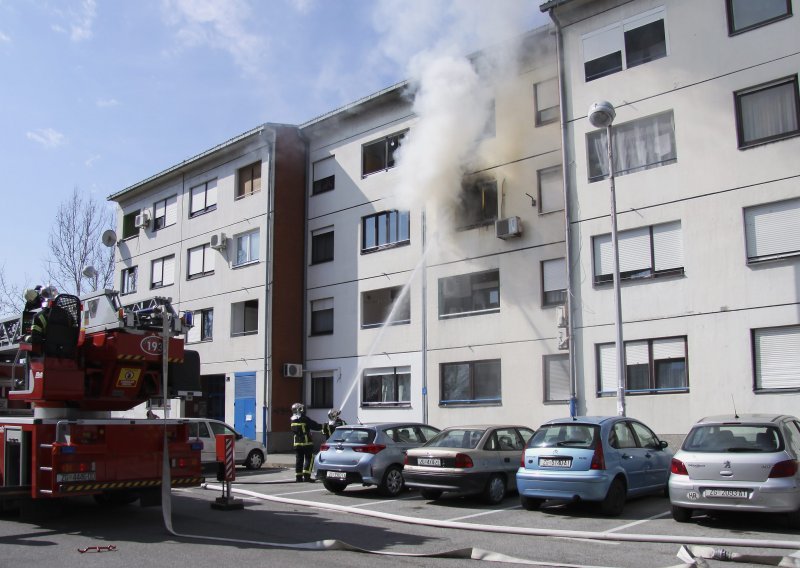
{"x":369,"y":454}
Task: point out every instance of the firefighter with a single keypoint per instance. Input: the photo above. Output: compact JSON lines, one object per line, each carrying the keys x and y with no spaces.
{"x":334,"y":421}
{"x":39,"y":326}
{"x":301,"y":427}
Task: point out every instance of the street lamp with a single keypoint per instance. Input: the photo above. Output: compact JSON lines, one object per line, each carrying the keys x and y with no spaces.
{"x":601,"y":115}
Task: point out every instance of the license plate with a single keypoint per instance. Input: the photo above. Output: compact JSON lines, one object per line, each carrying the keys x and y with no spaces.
{"x":337,"y":475}
{"x":82,"y":476}
{"x":555,"y":462}
{"x":436,"y":462}
{"x":727,"y":493}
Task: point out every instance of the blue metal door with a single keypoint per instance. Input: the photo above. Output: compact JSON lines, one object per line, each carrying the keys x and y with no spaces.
{"x":244,"y":404}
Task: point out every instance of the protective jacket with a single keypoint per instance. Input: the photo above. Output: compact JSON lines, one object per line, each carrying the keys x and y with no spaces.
{"x":329,"y":428}
{"x":301,"y":428}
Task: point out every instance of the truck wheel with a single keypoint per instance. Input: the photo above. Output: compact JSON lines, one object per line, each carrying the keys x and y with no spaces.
{"x":255,"y":459}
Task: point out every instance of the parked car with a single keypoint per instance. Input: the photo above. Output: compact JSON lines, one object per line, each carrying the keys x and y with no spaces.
{"x":247,"y":452}
{"x":468,"y":460}
{"x":369,"y":454}
{"x":602,"y":458}
{"x":738,"y":463}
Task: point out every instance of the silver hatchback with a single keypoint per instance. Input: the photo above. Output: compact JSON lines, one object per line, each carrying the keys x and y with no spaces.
{"x":369,"y":454}
{"x":738,"y":463}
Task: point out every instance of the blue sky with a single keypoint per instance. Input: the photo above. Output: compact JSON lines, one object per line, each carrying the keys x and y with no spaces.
{"x":100,"y":94}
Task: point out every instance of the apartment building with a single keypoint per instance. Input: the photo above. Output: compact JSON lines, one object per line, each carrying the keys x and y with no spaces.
{"x":439,"y":310}
{"x":707,"y":199}
{"x":221,"y":234}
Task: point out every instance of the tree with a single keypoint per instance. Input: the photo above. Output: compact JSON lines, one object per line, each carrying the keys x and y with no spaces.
{"x":10,"y":296}
{"x":75,"y":243}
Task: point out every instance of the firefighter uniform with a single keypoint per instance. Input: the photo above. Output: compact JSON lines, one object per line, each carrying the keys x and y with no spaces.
{"x":302,"y":426}
{"x":330,"y":427}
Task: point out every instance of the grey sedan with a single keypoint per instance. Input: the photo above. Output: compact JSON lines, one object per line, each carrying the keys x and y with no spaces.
{"x":468,"y":460}
{"x":739,"y":463}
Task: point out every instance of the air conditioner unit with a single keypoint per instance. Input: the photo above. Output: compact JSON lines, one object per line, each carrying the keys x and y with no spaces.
{"x":218,"y":241}
{"x":561,"y":316}
{"x":508,"y":227}
{"x":292,"y":370}
{"x":142,"y":220}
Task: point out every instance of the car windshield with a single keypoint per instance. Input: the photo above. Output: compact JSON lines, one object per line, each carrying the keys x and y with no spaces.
{"x":352,"y":436}
{"x":466,"y":438}
{"x":565,"y":435}
{"x":723,"y":438}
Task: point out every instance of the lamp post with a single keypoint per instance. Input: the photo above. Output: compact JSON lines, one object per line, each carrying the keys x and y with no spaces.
{"x":601,"y":115}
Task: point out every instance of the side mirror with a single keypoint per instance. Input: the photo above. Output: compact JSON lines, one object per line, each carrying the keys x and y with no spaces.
{"x":663,"y":444}
{"x":239,"y":436}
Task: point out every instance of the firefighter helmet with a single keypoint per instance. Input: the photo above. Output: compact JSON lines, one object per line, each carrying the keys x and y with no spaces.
{"x":298,"y":409}
{"x":333,"y":414}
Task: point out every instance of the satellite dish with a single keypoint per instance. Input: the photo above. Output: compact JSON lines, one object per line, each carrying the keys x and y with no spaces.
{"x":90,"y":271}
{"x":109,"y":238}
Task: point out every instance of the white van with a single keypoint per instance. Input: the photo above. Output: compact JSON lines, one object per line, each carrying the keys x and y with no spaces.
{"x":247,"y":452}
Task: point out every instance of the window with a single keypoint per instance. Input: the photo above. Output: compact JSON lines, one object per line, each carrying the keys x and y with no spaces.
{"x":203,"y":198}
{"x":776,"y":354}
{"x":378,"y":156}
{"x":166,"y":212}
{"x":545,"y":96}
{"x":639,"y":145}
{"x":322,"y":316}
{"x":378,"y":307}
{"x":634,"y":41}
{"x":551,"y":189}
{"x":475,"y":382}
{"x":203,"y":329}
{"x":556,"y":378}
{"x":246,"y":248}
{"x":201,"y":261}
{"x":324,"y":176}
{"x":248,"y":180}
{"x":129,"y":228}
{"x":162,"y":272}
{"x":128,"y":280}
{"x":469,"y":294}
{"x":768,"y":112}
{"x":478,"y":205}
{"x":389,"y":386}
{"x":322,"y":245}
{"x":745,"y":15}
{"x":321,"y":390}
{"x":244,"y":318}
{"x":490,"y":128}
{"x":385,"y":230}
{"x":554,"y":282}
{"x":651,"y":366}
{"x":772,"y":230}
{"x":645,"y":252}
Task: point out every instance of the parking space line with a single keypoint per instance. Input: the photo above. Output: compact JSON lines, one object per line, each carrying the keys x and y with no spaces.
{"x":486,"y":513}
{"x":639,"y":522}
{"x":371,"y":503}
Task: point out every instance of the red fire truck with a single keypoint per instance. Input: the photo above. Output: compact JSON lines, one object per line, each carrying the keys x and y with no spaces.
{"x":59,"y":388}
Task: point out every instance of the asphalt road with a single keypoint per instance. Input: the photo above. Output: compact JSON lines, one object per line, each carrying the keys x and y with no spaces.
{"x":248,"y":536}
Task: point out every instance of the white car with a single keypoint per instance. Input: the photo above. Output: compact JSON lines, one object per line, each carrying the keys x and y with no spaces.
{"x":247,"y":452}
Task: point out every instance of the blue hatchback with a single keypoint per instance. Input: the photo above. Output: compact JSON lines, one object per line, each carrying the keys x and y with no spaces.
{"x":593,"y":458}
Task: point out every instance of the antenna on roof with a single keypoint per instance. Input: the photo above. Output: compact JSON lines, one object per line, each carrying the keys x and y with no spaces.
{"x":733,"y":402}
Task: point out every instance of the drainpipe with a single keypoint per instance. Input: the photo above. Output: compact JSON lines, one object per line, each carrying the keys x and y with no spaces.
{"x":562,"y":100}
{"x":424,"y":322}
{"x":265,"y":418}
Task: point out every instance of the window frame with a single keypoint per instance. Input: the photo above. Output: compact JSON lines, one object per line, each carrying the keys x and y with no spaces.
{"x":465,"y":219}
{"x":743,"y":144}
{"x":314,"y":324}
{"x":387,"y":216}
{"x":207,"y":251}
{"x":235,"y":263}
{"x":326,"y":183}
{"x":166,"y":202}
{"x":776,"y":234}
{"x":396,"y":373}
{"x":472,"y":276}
{"x":546,"y":379}
{"x":129,"y":229}
{"x":546,"y":171}
{"x":388,"y":155}
{"x":539,"y":119}
{"x":473,"y":401}
{"x":153,"y":285}
{"x":206,"y":208}
{"x":325,"y":379}
{"x":125,"y":278}
{"x":247,"y":308}
{"x":319,"y":245}
{"x":732,"y":31}
{"x":202,"y":318}
{"x":755,"y":357}
{"x":400,"y":296}
{"x":653,"y":378}
{"x":562,"y":301}
{"x":242,"y":181}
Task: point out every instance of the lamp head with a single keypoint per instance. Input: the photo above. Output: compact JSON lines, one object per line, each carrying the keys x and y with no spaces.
{"x":602,"y":114}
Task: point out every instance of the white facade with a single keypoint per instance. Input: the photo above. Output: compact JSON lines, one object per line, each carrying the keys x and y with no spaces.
{"x":707,"y":290}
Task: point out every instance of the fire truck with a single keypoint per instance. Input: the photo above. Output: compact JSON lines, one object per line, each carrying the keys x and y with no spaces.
{"x":62,"y":377}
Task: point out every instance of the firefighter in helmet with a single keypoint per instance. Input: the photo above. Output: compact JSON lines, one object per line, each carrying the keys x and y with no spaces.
{"x":301,"y":427}
{"x":334,"y":421}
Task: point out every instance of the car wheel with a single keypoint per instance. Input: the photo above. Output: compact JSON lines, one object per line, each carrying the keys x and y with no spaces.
{"x":334,"y":486}
{"x":529,"y":503}
{"x":614,"y":502}
{"x":430,"y":494}
{"x":392,"y":483}
{"x":681,"y":514}
{"x":255,"y":459}
{"x":495,"y":490}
